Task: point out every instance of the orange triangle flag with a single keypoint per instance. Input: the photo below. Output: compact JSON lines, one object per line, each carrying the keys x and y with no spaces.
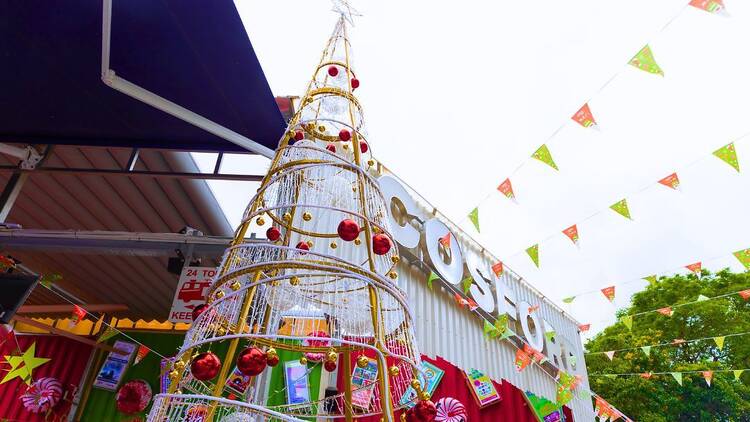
{"x":695,"y":268}
{"x":498,"y":269}
{"x":446,"y":240}
{"x":671,"y":181}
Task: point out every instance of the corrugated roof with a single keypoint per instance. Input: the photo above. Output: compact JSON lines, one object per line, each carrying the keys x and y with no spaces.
{"x":113,"y":203}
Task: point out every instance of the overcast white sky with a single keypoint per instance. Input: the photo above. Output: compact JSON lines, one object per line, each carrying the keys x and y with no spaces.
{"x":458,"y":94}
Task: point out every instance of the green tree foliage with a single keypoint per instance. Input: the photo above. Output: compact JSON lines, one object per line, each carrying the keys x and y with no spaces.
{"x":661,"y":398}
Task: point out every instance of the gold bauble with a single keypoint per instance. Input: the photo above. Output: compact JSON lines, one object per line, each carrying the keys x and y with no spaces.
{"x":332,"y":356}
{"x":235,"y":286}
{"x":403,"y":417}
{"x":362,"y":361}
{"x":287,"y":216}
{"x":311,"y":125}
{"x":394,"y":370}
{"x":179,"y":365}
{"x":173,"y":375}
{"x":275,"y":283}
{"x":271,"y":351}
{"x":345,"y":146}
{"x":415,"y":384}
{"x":334,"y":245}
{"x":322,"y":128}
{"x":393,"y":275}
{"x":294,"y":280}
{"x":306,"y":216}
{"x":219,"y":294}
{"x":357,"y":241}
{"x":425,"y":395}
{"x":303,"y":360}
{"x":221,"y":332}
{"x":395,"y":259}
{"x":370,"y":163}
{"x":260,"y":221}
{"x":310,"y":243}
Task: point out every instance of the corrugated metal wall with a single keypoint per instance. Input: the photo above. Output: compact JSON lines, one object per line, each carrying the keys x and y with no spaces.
{"x":454,"y":333}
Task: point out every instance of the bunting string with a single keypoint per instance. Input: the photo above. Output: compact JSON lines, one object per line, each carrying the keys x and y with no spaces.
{"x":673,"y":343}
{"x":697,"y":371}
{"x":587,"y":119}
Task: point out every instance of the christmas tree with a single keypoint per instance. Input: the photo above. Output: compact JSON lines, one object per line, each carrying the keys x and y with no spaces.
{"x":320,"y":291}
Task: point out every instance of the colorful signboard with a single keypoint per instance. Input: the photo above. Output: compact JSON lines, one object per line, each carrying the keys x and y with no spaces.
{"x":191,"y":292}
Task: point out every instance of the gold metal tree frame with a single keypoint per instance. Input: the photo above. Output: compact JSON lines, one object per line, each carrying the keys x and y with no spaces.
{"x":346,"y":289}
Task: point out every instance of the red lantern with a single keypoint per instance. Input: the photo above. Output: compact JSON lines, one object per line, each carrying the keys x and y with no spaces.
{"x":425,"y":411}
{"x":363,"y":147}
{"x":273,"y":234}
{"x":299,"y":135}
{"x":272,"y":360}
{"x":333,"y":70}
{"x":331,"y":147}
{"x":251,"y":361}
{"x":199,"y":309}
{"x":205,"y":366}
{"x":348,"y":230}
{"x":303,"y":246}
{"x":345,"y":135}
{"x":329,"y":366}
{"x":355,"y":83}
{"x":381,"y":244}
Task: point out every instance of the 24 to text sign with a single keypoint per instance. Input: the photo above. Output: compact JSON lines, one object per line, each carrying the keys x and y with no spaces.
{"x":191,"y":292}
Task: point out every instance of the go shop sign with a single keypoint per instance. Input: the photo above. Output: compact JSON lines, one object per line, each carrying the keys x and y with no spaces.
{"x":420,"y":233}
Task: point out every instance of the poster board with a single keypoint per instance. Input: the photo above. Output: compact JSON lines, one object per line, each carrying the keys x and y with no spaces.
{"x":481,"y":387}
{"x":113,"y":370}
{"x":432,"y":375}
{"x":191,"y":292}
{"x":296,"y":381}
{"x":238,"y":381}
{"x":363,"y":384}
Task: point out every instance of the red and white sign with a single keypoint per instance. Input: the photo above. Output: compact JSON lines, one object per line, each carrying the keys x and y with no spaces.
{"x":191,"y":292}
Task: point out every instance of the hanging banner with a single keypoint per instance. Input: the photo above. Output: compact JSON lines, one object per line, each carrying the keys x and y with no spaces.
{"x":744,"y":257}
{"x":621,"y":207}
{"x":584,"y":117}
{"x":745,"y":294}
{"x":191,"y":292}
{"x":677,"y":377}
{"x":610,"y":354}
{"x":445,"y":241}
{"x":728,"y":155}
{"x":572,"y":233}
{"x":710,"y":6}
{"x":507,"y":189}
{"x":645,"y":61}
{"x":646,"y":350}
{"x":497,"y":268}
{"x":533,"y":252}
{"x":584,"y":327}
{"x":78,"y":314}
{"x":474,"y":217}
{"x":523,"y":360}
{"x":651,"y":279}
{"x":671,"y":181}
{"x":695,"y":267}
{"x":140,"y":354}
{"x":719,"y":342}
{"x":543,"y":155}
{"x":708,"y":376}
{"x":627,"y":320}
{"x":108,"y":333}
{"x":667,"y":311}
{"x":609,"y":293}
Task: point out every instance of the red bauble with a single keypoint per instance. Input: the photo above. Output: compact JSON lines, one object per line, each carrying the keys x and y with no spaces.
{"x":273,"y":234}
{"x":205,"y":366}
{"x":329,"y":366}
{"x":345,"y":135}
{"x":251,"y":361}
{"x":272,"y":360}
{"x":299,"y":135}
{"x":331,"y":147}
{"x":303,"y":245}
{"x":133,"y":397}
{"x":411,"y":415}
{"x":355,"y":83}
{"x":199,"y":310}
{"x":363,"y":147}
{"x":425,"y":411}
{"x":381,"y":244}
{"x":348,"y":230}
{"x":333,"y":70}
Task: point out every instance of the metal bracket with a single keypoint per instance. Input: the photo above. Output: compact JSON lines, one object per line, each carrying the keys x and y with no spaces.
{"x":29,"y":156}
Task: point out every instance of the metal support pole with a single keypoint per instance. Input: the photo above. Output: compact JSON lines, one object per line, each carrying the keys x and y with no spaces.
{"x":10,"y":193}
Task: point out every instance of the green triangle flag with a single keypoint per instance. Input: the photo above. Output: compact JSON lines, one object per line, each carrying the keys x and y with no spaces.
{"x":108,"y":333}
{"x":533,"y":252}
{"x":543,"y":155}
{"x":744,"y":257}
{"x":488,"y":329}
{"x":737,"y":374}
{"x":48,"y":280}
{"x":466,"y":285}
{"x":646,"y":350}
{"x":677,"y":377}
{"x":474,"y":217}
{"x":701,"y":298}
{"x":719,"y":342}
{"x":621,"y":207}
{"x":645,"y":61}
{"x":651,"y":279}
{"x":501,"y":326}
{"x":728,"y":155}
{"x":610,"y":375}
{"x":569,"y":299}
{"x":432,"y":278}
{"x":549,"y":335}
{"x":628,"y":321}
